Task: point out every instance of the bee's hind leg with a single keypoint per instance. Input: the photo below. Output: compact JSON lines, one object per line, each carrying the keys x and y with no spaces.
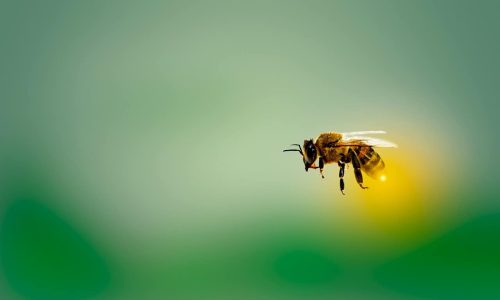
{"x":341,"y":175}
{"x":357,"y":169}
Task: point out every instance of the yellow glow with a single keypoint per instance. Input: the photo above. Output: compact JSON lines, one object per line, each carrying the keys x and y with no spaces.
{"x":401,"y":208}
{"x":395,"y":204}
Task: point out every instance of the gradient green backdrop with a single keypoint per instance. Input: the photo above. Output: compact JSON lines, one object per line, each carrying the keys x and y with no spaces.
{"x":140,"y":151}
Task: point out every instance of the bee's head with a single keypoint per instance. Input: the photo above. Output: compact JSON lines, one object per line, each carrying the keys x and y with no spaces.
{"x":310,"y":153}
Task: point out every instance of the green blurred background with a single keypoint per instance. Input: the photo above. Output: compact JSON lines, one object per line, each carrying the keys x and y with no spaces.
{"x":140,"y":151}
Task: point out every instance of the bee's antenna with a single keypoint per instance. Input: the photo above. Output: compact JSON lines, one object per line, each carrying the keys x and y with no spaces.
{"x":298,"y":150}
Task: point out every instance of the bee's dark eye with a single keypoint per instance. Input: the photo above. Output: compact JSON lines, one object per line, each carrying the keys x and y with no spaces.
{"x":311,"y":151}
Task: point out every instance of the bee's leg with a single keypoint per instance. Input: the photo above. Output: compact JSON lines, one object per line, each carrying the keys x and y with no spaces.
{"x":321,"y":165}
{"x":357,"y":169}
{"x":341,"y":175}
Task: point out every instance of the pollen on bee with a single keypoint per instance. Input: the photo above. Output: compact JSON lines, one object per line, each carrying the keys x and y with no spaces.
{"x":383,"y":178}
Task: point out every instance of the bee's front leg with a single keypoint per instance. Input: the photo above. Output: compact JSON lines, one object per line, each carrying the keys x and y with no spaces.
{"x":321,"y":165}
{"x":313,"y":166}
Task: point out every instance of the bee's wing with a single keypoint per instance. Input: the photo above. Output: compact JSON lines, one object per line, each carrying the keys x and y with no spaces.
{"x":369,"y":141}
{"x":347,"y":135}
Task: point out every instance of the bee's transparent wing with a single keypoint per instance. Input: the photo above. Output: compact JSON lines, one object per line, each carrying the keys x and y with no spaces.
{"x":358,"y":136}
{"x":361,"y":133}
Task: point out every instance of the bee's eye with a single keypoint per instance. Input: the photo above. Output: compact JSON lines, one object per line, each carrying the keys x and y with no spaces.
{"x":311,"y":151}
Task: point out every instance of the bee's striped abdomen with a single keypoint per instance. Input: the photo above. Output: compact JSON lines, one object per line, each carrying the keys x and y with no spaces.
{"x":371,"y":163}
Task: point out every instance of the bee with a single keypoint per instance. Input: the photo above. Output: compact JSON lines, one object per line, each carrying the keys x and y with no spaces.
{"x":344,"y":148}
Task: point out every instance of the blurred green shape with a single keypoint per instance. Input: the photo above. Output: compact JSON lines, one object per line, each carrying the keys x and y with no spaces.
{"x":44,"y":257}
{"x":304,"y":266}
{"x":462,"y":264}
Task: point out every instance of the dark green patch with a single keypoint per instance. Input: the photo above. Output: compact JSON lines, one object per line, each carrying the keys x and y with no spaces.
{"x":463,"y":264}
{"x":43,"y":257}
{"x":305,"y":266}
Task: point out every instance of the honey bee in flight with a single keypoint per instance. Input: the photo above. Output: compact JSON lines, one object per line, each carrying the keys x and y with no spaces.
{"x":345,"y":148}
